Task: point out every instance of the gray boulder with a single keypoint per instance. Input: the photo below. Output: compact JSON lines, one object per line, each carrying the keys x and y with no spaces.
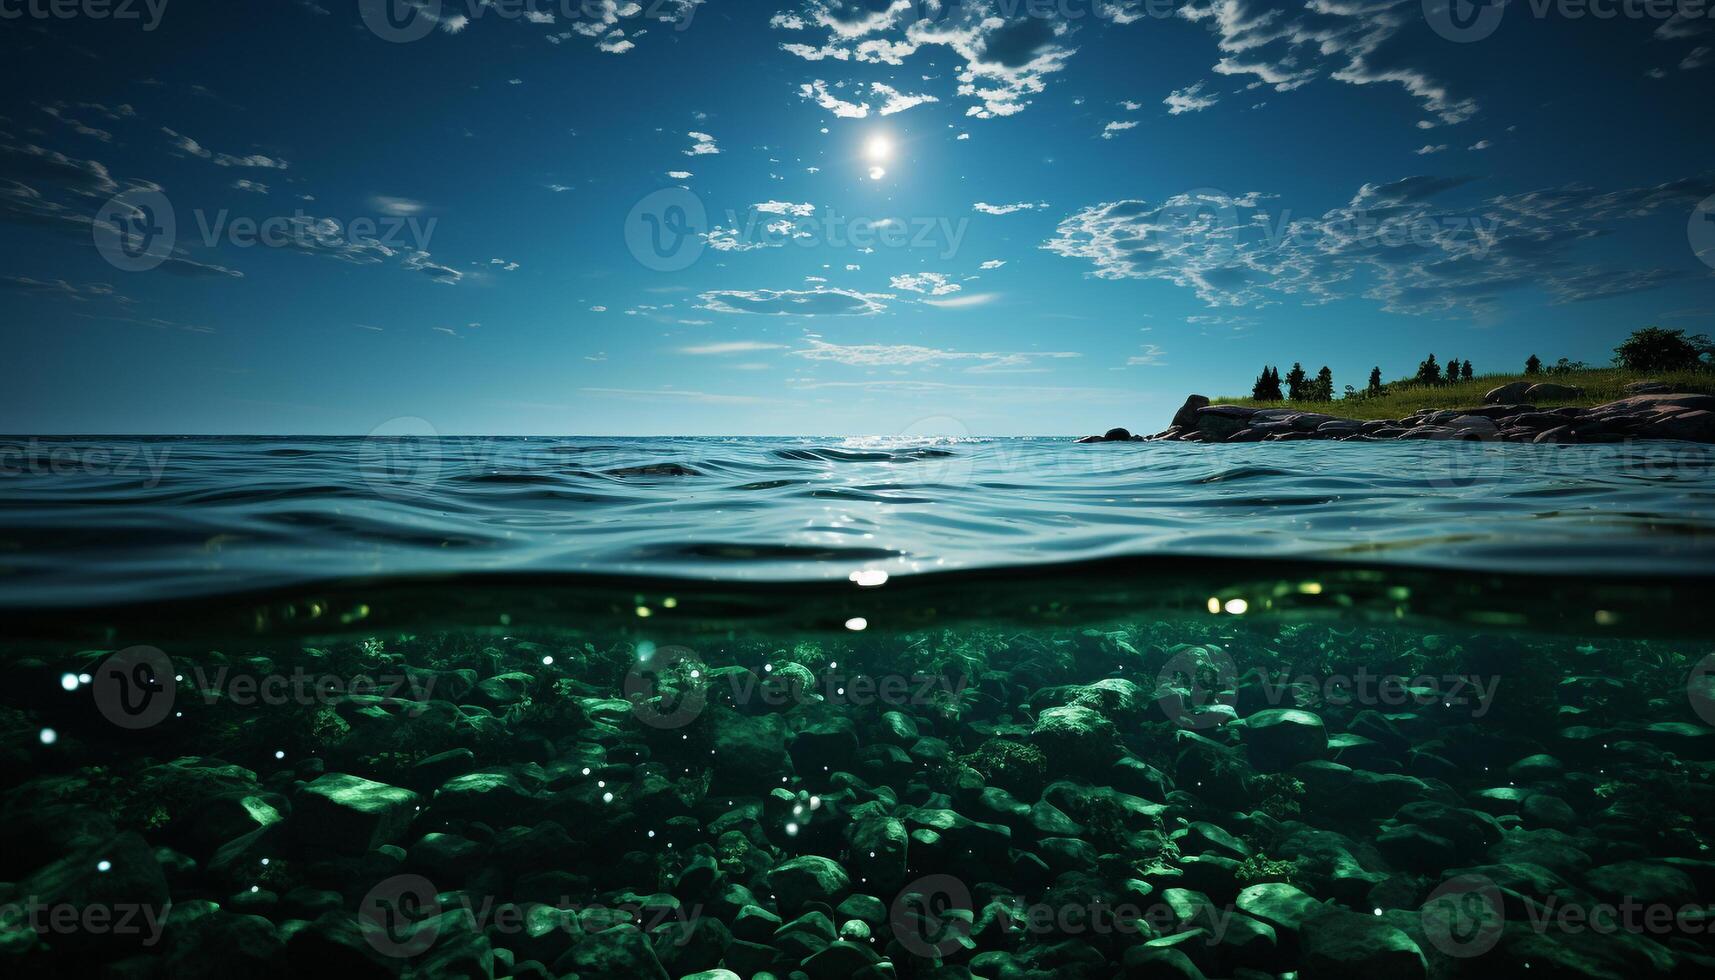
{"x":1507,"y":394}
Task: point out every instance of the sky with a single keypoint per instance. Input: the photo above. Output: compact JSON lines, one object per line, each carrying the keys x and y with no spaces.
{"x":730,"y":217}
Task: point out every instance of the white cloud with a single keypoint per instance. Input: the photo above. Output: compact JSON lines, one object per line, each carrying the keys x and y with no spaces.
{"x":817,"y":91}
{"x":680,"y":174}
{"x":912,"y":355}
{"x":984,"y":207}
{"x":785,"y":207}
{"x":729,"y":347}
{"x":932,"y":283}
{"x":704,"y":145}
{"x":898,"y":101}
{"x":1110,"y":129}
{"x":795,"y":302}
{"x":398,"y":207}
{"x":992,"y":264}
{"x":1192,"y":99}
{"x":962,"y":302}
{"x":1480,"y":145}
{"x":1005,"y":61}
{"x":1394,"y":243}
{"x":184,"y":144}
{"x":1151,"y":356}
{"x":1360,"y":43}
{"x":1428,"y":148}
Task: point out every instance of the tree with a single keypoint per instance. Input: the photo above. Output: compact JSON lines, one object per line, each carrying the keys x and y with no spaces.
{"x":1375,"y":387}
{"x":1429,"y":372}
{"x":1267,"y":387}
{"x":1466,"y":374}
{"x":1452,"y":371}
{"x":1533,"y":365}
{"x":1655,"y":349}
{"x":1296,"y":389}
{"x":1323,"y":389}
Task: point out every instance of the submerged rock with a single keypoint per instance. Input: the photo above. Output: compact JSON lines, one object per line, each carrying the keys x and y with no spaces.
{"x":351,"y":814}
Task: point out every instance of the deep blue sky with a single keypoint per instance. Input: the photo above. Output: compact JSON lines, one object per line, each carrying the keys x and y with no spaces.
{"x":1172,"y":252}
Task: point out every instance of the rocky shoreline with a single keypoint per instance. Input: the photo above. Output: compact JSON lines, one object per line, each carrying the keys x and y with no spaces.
{"x":1682,"y":416}
{"x":1158,"y":800}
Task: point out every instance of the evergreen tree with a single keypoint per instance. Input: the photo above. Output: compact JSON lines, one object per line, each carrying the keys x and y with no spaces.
{"x":1267,"y":387}
{"x":1467,"y":372}
{"x":1375,"y":387}
{"x":1323,"y":390}
{"x":1452,"y":371}
{"x":1274,"y":392}
{"x":1429,"y":372}
{"x":1533,"y":365}
{"x":1296,"y":389}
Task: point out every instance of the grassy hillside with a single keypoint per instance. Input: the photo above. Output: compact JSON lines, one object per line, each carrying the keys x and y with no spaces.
{"x":1402,"y":398}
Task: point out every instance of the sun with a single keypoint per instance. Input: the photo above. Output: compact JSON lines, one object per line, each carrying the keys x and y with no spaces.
{"x":879,"y":149}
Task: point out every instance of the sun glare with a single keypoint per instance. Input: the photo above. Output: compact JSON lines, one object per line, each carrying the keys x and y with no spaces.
{"x":879,"y":148}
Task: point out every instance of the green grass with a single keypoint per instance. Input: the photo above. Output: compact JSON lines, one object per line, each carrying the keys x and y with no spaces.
{"x":1402,"y":398}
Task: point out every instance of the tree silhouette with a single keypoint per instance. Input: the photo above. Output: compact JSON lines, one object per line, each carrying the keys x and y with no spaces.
{"x":1375,"y":387}
{"x":1429,"y":372}
{"x":1295,"y":386}
{"x":1267,"y":387}
{"x":1323,"y":389}
{"x":1655,"y":349}
{"x":1533,"y":365}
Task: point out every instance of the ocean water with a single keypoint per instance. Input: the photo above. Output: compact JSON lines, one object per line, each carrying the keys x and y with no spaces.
{"x":1000,"y":708}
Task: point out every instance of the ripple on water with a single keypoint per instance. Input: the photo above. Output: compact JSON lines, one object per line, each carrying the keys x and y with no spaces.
{"x":220,"y":514}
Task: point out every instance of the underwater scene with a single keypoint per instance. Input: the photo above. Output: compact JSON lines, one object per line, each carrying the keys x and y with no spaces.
{"x":806,"y":708}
